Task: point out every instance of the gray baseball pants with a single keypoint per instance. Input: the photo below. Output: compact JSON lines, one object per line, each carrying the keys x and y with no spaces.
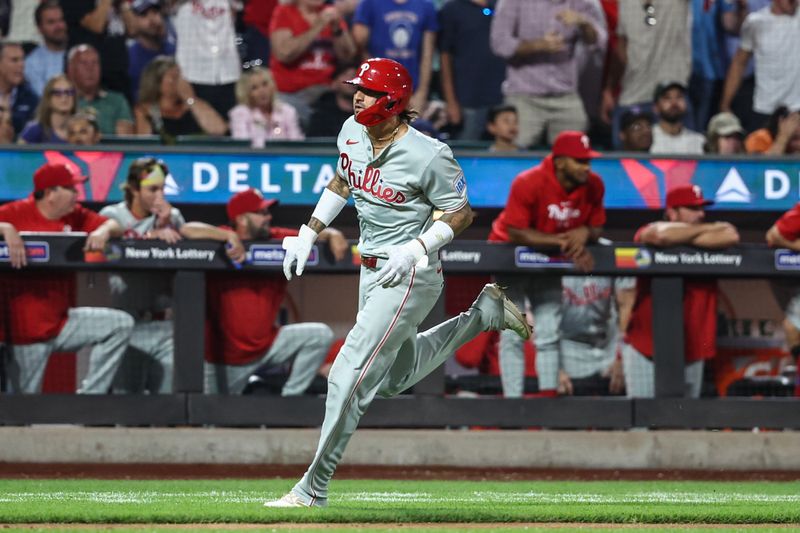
{"x":106,"y":330}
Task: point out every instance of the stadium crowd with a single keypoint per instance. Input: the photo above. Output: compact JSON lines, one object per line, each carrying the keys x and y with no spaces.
{"x":657,"y":76}
{"x":664,"y":76}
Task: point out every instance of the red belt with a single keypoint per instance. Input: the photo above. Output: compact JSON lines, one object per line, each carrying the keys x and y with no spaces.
{"x":370,"y":261}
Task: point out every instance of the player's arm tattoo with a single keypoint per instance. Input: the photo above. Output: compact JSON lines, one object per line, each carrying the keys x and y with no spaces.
{"x":339,"y":186}
{"x":459,"y":220}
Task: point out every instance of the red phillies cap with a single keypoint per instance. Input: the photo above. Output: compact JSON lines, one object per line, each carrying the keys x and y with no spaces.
{"x":249,"y":201}
{"x":687,"y":196}
{"x":55,"y":175}
{"x":574,"y":144}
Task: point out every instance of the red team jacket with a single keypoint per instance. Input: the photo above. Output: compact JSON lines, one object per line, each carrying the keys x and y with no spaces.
{"x":241,"y":310}
{"x":789,"y":224}
{"x":37,"y":302}
{"x":537,"y":200}
{"x":699,"y":317}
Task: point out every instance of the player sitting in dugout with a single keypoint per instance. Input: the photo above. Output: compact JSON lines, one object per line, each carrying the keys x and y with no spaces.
{"x":242,"y":334}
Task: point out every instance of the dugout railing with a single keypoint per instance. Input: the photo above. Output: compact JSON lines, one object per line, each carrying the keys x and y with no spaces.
{"x":428,"y":406}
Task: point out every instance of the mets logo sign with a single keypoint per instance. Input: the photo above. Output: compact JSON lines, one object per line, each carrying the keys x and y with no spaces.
{"x":272,"y":255}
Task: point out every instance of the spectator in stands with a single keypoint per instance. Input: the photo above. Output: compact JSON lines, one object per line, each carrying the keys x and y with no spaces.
{"x":725,"y":135}
{"x":636,"y":132}
{"x":785,"y":233}
{"x":55,"y":108}
{"x":670,"y":134}
{"x":759,"y":141}
{"x":256,"y":17}
{"x":683,"y":225}
{"x":308,"y":38}
{"x":169,"y":107}
{"x":150,"y":40}
{"x":471,"y":74}
{"x":6,"y":127}
{"x":708,"y":59}
{"x":770,"y":36}
{"x":260,"y":115}
{"x":559,"y":205}
{"x":14,"y":90}
{"x":653,"y":47}
{"x":595,"y":310}
{"x":781,"y":136}
{"x":503,"y":126}
{"x":82,"y":129}
{"x":241,"y":333}
{"x":538,"y":39}
{"x":335,"y":106}
{"x":112,"y":110}
{"x":403,"y":30}
{"x":41,"y":318}
{"x":208,"y":57}
{"x":733,"y":16}
{"x":21,"y":27}
{"x":103,"y":25}
{"x":146,"y":214}
{"x":47,"y":59}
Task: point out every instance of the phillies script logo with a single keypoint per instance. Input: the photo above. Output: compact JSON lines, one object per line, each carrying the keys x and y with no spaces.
{"x":371,"y":182}
{"x":562,"y":213}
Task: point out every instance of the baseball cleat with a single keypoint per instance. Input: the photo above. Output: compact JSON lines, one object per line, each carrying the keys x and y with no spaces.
{"x":289,"y":500}
{"x":513,"y":318}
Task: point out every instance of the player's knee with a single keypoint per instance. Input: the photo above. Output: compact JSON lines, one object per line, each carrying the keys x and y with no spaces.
{"x":123,"y":322}
{"x":323,"y":335}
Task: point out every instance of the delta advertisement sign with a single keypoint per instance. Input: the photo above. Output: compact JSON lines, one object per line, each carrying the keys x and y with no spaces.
{"x":200,"y":177}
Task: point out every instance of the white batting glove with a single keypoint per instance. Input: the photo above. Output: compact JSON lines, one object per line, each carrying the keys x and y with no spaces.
{"x":401,"y":260}
{"x":297,"y":250}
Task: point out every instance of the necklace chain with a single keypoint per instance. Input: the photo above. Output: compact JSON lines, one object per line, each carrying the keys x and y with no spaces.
{"x":388,"y":137}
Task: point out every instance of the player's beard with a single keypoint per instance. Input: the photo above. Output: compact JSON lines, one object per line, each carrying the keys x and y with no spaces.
{"x":259,"y":233}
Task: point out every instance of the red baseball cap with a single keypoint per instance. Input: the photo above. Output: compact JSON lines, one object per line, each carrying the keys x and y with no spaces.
{"x":249,"y":201}
{"x":687,"y":196}
{"x":574,"y":144}
{"x":55,"y":175}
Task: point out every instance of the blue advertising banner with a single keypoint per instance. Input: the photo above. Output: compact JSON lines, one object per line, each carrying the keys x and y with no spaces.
{"x":298,"y":178}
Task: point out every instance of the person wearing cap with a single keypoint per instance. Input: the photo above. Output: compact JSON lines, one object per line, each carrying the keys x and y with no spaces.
{"x":636,"y":129}
{"x":557,"y":204}
{"x":47,"y":59}
{"x":150,"y":39}
{"x":242,"y":334}
{"x":147,"y":296}
{"x":41,"y":317}
{"x":670,"y":134}
{"x":725,"y":135}
{"x":684,"y":225}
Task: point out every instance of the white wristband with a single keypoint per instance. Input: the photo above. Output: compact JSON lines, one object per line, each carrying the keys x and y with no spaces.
{"x":329,"y":205}
{"x":308,"y":234}
{"x":439,"y":234}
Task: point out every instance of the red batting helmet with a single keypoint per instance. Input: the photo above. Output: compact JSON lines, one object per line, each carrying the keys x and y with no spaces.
{"x":385,"y":76}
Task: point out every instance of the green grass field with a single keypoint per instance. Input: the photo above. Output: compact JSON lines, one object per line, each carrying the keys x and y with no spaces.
{"x":392,"y":502}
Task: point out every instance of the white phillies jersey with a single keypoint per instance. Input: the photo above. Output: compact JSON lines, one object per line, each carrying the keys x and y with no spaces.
{"x":140,"y":292}
{"x":589,"y":310}
{"x":395,"y":194}
{"x":136,"y":228}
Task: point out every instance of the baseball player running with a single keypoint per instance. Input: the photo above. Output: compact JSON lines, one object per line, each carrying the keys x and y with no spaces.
{"x":397,"y":177}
